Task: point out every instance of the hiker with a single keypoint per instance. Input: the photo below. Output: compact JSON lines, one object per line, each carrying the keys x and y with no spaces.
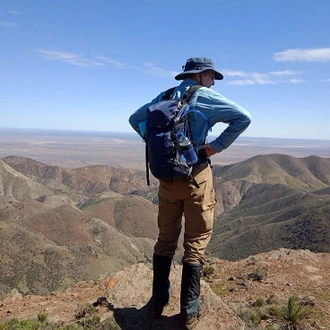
{"x":195,"y":200}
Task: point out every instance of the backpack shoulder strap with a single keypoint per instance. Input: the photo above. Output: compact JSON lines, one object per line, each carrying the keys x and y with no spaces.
{"x":187,"y":95}
{"x":168,"y":94}
{"x":190,"y":92}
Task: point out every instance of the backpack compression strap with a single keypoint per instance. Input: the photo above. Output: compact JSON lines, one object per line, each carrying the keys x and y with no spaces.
{"x":168,"y":94}
{"x":147,"y":164}
{"x":187,"y":95}
{"x":190,"y":92}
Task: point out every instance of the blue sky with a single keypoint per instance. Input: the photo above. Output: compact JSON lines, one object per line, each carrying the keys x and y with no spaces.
{"x":87,"y":65}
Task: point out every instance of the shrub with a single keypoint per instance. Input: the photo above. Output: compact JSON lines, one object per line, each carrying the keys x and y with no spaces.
{"x":274,"y":299}
{"x":90,"y":323}
{"x":42,"y":317}
{"x":15,"y":324}
{"x":207,"y":271}
{"x":109,"y":324}
{"x":292,"y":314}
{"x":219,"y":289}
{"x":249,"y":316}
{"x":85,"y":310}
{"x":259,"y":274}
{"x":260,"y":301}
{"x":294,"y":311}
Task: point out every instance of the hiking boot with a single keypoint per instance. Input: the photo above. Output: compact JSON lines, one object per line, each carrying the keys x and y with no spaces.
{"x":157,"y":310}
{"x":161,"y":287}
{"x":204,"y":309}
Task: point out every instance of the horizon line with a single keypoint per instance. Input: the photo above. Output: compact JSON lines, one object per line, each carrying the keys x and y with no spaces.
{"x":133,"y":132}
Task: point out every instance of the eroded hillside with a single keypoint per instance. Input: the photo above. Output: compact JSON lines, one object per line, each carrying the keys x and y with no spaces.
{"x":270,"y":202}
{"x":96,"y":220}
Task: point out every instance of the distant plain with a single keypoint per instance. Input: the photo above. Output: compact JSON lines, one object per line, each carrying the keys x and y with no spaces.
{"x":74,"y":149}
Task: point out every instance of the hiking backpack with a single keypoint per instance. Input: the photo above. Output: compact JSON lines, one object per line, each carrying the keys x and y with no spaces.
{"x":167,"y":120}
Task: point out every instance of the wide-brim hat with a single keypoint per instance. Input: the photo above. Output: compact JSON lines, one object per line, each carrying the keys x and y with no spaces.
{"x":196,"y":65}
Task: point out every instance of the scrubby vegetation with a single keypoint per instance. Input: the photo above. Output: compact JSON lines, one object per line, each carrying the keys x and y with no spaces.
{"x":41,"y":322}
{"x":273,"y":314}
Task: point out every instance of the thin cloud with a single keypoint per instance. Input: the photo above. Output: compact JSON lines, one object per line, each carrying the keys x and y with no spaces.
{"x":296,"y":81}
{"x":303,"y":55}
{"x":79,"y":60}
{"x":246,"y":78}
{"x":154,"y":70}
{"x":242,"y":82}
{"x":73,"y":59}
{"x":231,"y":73}
{"x":285,"y":73}
{"x":257,"y":78}
{"x":117,"y":64}
{"x":147,"y":67}
{"x":8,"y":24}
{"x":14,"y":12}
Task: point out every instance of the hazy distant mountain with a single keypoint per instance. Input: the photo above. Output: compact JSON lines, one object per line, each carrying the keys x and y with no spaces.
{"x":59,"y":226}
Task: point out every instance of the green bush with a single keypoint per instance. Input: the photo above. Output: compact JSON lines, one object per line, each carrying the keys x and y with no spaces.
{"x":249,"y":316}
{"x":288,"y":316}
{"x":110,"y":324}
{"x":90,"y":323}
{"x":294,"y":311}
{"x":207,"y":271}
{"x":42,"y":317}
{"x":259,"y":274}
{"x":15,"y":324}
{"x":260,"y":301}
{"x":85,"y":310}
{"x":219,"y":289}
{"x":274,"y":299}
{"x":40,"y":323}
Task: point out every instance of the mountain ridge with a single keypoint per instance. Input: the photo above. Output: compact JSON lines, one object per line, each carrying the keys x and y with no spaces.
{"x":98,"y":219}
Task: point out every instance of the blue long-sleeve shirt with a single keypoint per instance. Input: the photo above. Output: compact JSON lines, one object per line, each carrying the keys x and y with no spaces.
{"x":215,"y":107}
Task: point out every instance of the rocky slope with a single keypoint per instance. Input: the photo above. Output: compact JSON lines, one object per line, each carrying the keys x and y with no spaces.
{"x":232,"y":287}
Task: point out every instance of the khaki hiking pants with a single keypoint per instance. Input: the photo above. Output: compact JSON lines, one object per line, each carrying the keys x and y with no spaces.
{"x":197,"y":205}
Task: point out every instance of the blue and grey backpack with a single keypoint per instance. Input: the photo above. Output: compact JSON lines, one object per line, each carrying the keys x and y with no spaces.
{"x":166,"y":122}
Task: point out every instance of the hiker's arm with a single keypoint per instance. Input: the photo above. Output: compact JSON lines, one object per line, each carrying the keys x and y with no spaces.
{"x":140,"y":115}
{"x":225,"y":111}
{"x":208,"y":150}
